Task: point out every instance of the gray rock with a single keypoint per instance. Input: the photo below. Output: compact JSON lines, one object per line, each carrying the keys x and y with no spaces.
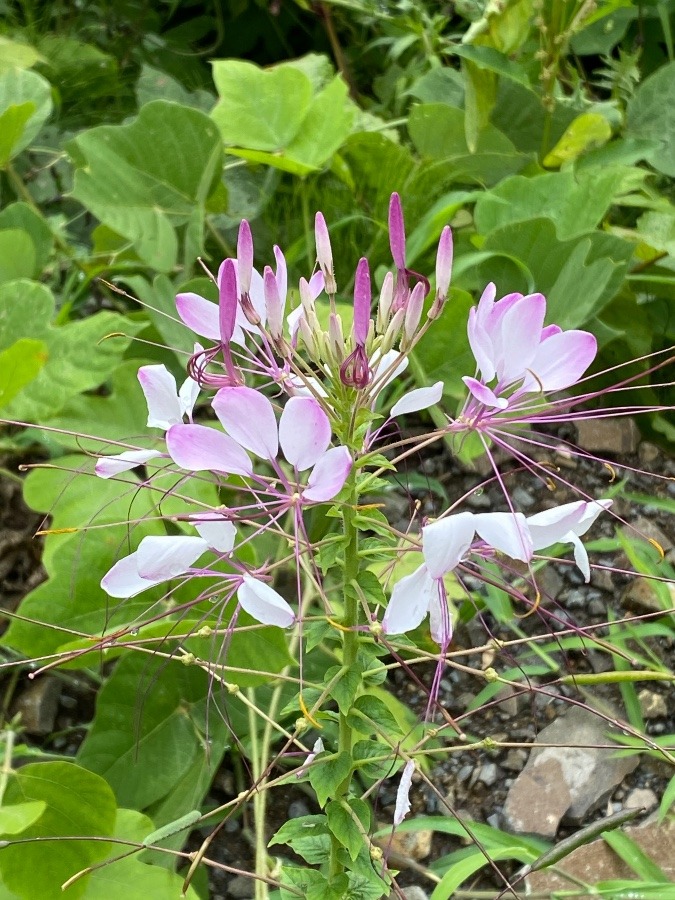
{"x":566,"y":781}
{"x":241,"y":888}
{"x":488,"y":774}
{"x":619,"y":435}
{"x":415,"y":893}
{"x":38,"y":705}
{"x":641,"y":798}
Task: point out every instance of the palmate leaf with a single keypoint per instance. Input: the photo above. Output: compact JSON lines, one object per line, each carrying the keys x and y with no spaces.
{"x":145,"y":179}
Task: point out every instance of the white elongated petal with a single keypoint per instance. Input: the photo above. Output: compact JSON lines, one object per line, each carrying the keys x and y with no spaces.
{"x":484,"y":394}
{"x":328,"y":475}
{"x":198,"y":449}
{"x":393,"y":363}
{"x":316,"y":749}
{"x":580,"y":555}
{"x":264,"y":604}
{"x":248,"y":416}
{"x":164,"y":557}
{"x":219,"y":533}
{"x":550,"y":526}
{"x":445,"y":542}
{"x":414,"y":401}
{"x":507,"y":532}
{"x":304,"y":432}
{"x":199,"y":314}
{"x":107,"y":466}
{"x":189,"y":391}
{"x":409,"y":602}
{"x":481,"y":345}
{"x":402,"y":807}
{"x":123,"y":579}
{"x":161,"y":395}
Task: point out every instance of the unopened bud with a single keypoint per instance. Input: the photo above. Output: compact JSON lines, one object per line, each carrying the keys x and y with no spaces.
{"x":244,"y":257}
{"x":393,"y":331}
{"x":308,"y":338}
{"x":361,"y":302}
{"x":227,"y":299}
{"x":413,"y":312}
{"x":335,"y":336}
{"x":249,"y":310}
{"x":444,"y":263}
{"x":306,"y":297}
{"x":275,"y":312}
{"x":324,"y":253}
{"x":397,"y":231}
{"x":384,"y":305}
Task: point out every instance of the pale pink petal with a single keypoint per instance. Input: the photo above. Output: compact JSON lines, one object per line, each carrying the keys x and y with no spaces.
{"x":161,"y":395}
{"x":593,"y":510}
{"x":316,"y":284}
{"x":123,"y":579}
{"x":281,"y":275}
{"x":506,"y":532}
{"x":264,"y":604}
{"x":107,"y":466}
{"x":444,"y":262}
{"x":187,"y":395}
{"x":308,"y":387}
{"x":199,"y":314}
{"x":486,"y":305}
{"x":396,"y":231}
{"x":549,"y":330}
{"x":481,"y":346}
{"x":227,"y":299}
{"x":218,"y":533}
{"x":445,"y":542}
{"x":403,"y":793}
{"x":409,"y":602}
{"x":304,"y":432}
{"x":361,"y":301}
{"x":245,"y":256}
{"x":248,"y":416}
{"x":198,"y":448}
{"x":414,"y":401}
{"x":293,"y":321}
{"x":484,"y":394}
{"x":161,"y":558}
{"x":328,"y":476}
{"x":520,"y":334}
{"x":560,"y":361}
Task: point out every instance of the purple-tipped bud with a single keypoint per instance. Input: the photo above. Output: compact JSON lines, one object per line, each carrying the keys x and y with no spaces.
{"x":361,"y":302}
{"x":273,"y":306}
{"x":397,"y":231}
{"x":444,"y":263}
{"x":413,"y":312}
{"x":244,"y":256}
{"x":355,"y":371}
{"x":384,"y":306}
{"x":227,"y":299}
{"x":324,"y":253}
{"x":306,"y":297}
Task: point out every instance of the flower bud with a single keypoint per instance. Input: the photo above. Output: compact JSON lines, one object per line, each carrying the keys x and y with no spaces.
{"x":444,"y":263}
{"x":244,"y":257}
{"x":306,"y":297}
{"x":413,"y":312}
{"x":361,"y":302}
{"x":308,"y":338}
{"x":384,"y":305}
{"x":273,"y":305}
{"x":227,"y":299}
{"x":324,"y":253}
{"x":392,"y":332}
{"x":335,"y":336}
{"x":397,"y":231}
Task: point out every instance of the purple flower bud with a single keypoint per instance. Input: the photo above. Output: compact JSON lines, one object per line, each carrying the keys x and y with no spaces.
{"x":361,"y":302}
{"x":413,"y":312}
{"x":397,"y":231}
{"x":444,"y":263}
{"x":227,"y":300}
{"x":273,"y":304}
{"x":324,"y":253}
{"x":244,"y":256}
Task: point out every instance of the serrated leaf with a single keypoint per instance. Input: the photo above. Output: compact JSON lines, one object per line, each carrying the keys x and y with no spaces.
{"x":371,"y":715}
{"x":19,"y":365}
{"x":328,"y":773}
{"x":144,"y":179}
{"x":308,"y":836}
{"x":345,"y":688}
{"x":76,"y":802}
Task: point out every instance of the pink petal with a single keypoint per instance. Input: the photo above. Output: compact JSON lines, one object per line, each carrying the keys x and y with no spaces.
{"x":362,"y":298}
{"x":403,"y":793}
{"x":161,"y":395}
{"x":414,"y":401}
{"x":484,"y":394}
{"x":409,"y":602}
{"x":244,"y":256}
{"x":107,"y":466}
{"x":444,"y":262}
{"x":486,"y":305}
{"x":161,"y":558}
{"x":396,"y":231}
{"x":328,"y":475}
{"x":304,"y":432}
{"x":227,"y":299}
{"x":219,"y":533}
{"x":199,"y":314}
{"x":198,"y":448}
{"x":316,"y":284}
{"x":481,"y":346}
{"x":520,"y":334}
{"x":506,"y":532}
{"x":561,"y":360}
{"x":248,"y":416}
{"x":282,"y":275}
{"x":445,"y":542}
{"x":264,"y":604}
{"x":273,"y":307}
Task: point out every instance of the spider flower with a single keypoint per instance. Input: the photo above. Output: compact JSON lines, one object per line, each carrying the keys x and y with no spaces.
{"x":565,"y":525}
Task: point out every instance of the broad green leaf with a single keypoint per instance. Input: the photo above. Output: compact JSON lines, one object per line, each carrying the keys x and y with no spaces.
{"x":76,"y":802}
{"x":12,"y":126}
{"x":586,"y":132}
{"x":343,"y":824}
{"x":328,"y":773}
{"x":144,"y":179}
{"x":520,"y":115}
{"x":17,"y":254}
{"x":308,"y":836}
{"x":19,"y":365}
{"x":19,"y":816}
{"x":439,"y":85}
{"x":345,"y":687}
{"x":16,"y":55}
{"x":658,"y":230}
{"x":79,"y":358}
{"x":19,"y":87}
{"x":605,"y":29}
{"x":371,"y":715}
{"x":21,"y":215}
{"x":130,"y":878}
{"x":490,"y":58}
{"x":143,"y":739}
{"x":481,"y":93}
{"x":651,"y":115}
{"x":154,"y":84}
{"x":259,"y":109}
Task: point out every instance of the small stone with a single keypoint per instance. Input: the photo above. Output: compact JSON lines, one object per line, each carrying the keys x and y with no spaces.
{"x":645,"y":528}
{"x":515,"y":760}
{"x":488,"y":774}
{"x":640,"y":596}
{"x":411,"y":844}
{"x":508,"y":700}
{"x":652,"y":705}
{"x":613,"y":435}
{"x":597,"y":608}
{"x":522,"y":498}
{"x":648,"y":453}
{"x":297,"y":809}
{"x":38,"y":705}
{"x":241,"y":887}
{"x":602,"y":579}
{"x":641,"y":798}
{"x":549,"y":582}
{"x":494,"y":820}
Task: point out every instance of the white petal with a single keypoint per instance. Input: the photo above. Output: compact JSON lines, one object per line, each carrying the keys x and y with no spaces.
{"x":264,"y":604}
{"x":219,"y":533}
{"x":165,"y":557}
{"x":123,"y":579}
{"x":304,"y":432}
{"x":403,"y":793}
{"x":507,"y":532}
{"x":440,"y":619}
{"x":580,"y":556}
{"x":422,"y":398}
{"x":409,"y":602}
{"x":161,"y":395}
{"x":445,"y":542}
{"x":387,"y":363}
{"x":107,"y":466}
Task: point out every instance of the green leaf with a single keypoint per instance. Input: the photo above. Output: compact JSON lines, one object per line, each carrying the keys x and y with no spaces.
{"x":667,"y":800}
{"x":21,"y":215}
{"x":16,"y":55}
{"x":81,"y":73}
{"x":345,"y":688}
{"x":143,"y":738}
{"x":16,"y":818}
{"x":385,"y":764}
{"x":19,"y":90}
{"x":586,"y":132}
{"x":312,"y":884}
{"x":465,"y":868}
{"x":371,"y":715}
{"x":444,"y":353}
{"x":78,"y":356}
{"x":76,"y":802}
{"x":145,"y":179}
{"x":19,"y":365}
{"x":328,"y":773}
{"x":481,"y":93}
{"x":17,"y":254}
{"x":651,"y":115}
{"x":308,"y":836}
{"x":343,"y":824}
{"x":155,"y":84}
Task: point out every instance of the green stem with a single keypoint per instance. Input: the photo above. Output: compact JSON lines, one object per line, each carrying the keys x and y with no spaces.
{"x":261,"y":892}
{"x":6,"y":770}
